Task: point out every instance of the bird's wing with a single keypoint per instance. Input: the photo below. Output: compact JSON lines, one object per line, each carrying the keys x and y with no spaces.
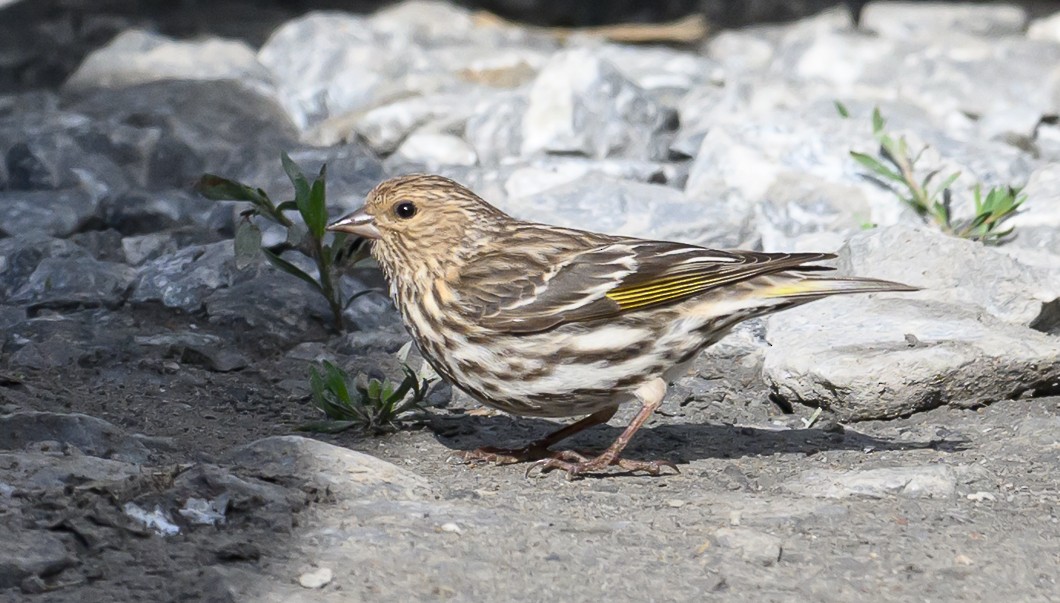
{"x":515,"y":293}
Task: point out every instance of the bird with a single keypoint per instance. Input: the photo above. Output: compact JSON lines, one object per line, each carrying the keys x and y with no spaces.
{"x":544,"y":321}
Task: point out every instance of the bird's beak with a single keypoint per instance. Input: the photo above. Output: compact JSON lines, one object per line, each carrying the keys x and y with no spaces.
{"x":358,"y":223}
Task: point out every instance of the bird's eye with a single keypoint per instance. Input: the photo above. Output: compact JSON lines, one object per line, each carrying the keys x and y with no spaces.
{"x":405,"y":210}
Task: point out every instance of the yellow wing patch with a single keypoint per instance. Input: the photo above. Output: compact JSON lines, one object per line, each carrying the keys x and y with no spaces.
{"x":659,"y":291}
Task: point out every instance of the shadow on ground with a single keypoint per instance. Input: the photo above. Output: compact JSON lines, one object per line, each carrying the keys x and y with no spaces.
{"x":680,"y":443}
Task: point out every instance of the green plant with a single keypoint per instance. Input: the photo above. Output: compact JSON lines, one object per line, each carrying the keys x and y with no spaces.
{"x":895,"y":168}
{"x":306,"y":237}
{"x":377,"y":406}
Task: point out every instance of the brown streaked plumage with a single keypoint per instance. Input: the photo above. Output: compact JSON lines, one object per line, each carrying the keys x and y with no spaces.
{"x":545,"y":321}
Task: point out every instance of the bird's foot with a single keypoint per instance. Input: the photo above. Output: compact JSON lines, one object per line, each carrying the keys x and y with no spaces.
{"x":505,"y":456}
{"x":577,"y":464}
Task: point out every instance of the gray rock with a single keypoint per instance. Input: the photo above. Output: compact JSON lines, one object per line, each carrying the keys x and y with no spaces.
{"x":139,"y":249}
{"x":140,"y":212}
{"x":64,"y":282}
{"x":11,"y":316}
{"x":753,"y":546}
{"x":90,"y":435}
{"x":166,"y":134}
{"x":347,"y":474}
{"x":873,"y":357}
{"x":103,"y":245}
{"x":580,"y":103}
{"x":28,"y":553}
{"x":57,"y":213}
{"x":273,"y":306}
{"x":983,"y":278}
{"x":186,"y":278}
{"x":19,"y":257}
{"x":33,"y":471}
{"x":42,"y":149}
{"x":926,"y":481}
{"x":905,"y":20}
{"x":385,"y":341}
{"x":209,"y":351}
{"x":136,"y":57}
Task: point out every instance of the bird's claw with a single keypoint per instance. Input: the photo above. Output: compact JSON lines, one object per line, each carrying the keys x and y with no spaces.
{"x":576,"y":464}
{"x":503,"y":456}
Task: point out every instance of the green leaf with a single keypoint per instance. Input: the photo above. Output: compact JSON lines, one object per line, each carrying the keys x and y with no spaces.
{"x":314,"y":211}
{"x":406,"y":384}
{"x":290,"y":268}
{"x":247,"y":243}
{"x":287,"y":206}
{"x":841,"y":109}
{"x":294,"y":173}
{"x":222,"y":189}
{"x":947,"y":183}
{"x":878,"y":123}
{"x":375,"y":389}
{"x":336,"y":379}
{"x":876,"y":167}
{"x":316,"y":383}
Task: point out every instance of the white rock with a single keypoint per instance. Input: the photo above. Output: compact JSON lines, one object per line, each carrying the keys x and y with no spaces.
{"x":384,"y":128}
{"x":926,"y":481}
{"x":325,"y":64}
{"x":433,"y":150}
{"x":494,"y":128}
{"x":136,"y":57}
{"x":1046,"y":28}
{"x":869,"y":357}
{"x":1037,"y":225}
{"x":906,"y":20}
{"x":318,"y":578}
{"x":618,"y":206}
{"x":423,"y":19}
{"x":983,"y":277}
{"x":582,"y":104}
{"x":654,"y":68}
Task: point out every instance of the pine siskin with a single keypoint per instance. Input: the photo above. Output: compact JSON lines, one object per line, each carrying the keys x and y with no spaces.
{"x":545,"y":321}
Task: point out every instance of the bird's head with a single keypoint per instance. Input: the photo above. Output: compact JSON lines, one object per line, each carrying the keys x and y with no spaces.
{"x":419,"y":219}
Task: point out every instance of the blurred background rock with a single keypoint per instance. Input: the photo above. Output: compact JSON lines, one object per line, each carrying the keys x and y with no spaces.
{"x":43,"y":41}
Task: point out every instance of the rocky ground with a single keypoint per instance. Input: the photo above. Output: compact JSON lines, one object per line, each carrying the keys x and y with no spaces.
{"x":151,"y":389}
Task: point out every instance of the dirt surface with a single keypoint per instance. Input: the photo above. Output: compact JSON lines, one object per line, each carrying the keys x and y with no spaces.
{"x":763,"y":509}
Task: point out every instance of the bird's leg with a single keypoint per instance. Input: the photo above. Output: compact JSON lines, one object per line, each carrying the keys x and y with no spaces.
{"x":651,"y":396}
{"x":539,"y":449}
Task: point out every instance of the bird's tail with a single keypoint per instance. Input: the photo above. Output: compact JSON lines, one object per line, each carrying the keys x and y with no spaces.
{"x":814,"y":287}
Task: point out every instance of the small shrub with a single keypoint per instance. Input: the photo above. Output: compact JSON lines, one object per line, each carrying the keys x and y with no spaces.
{"x":306,"y":237}
{"x":894,"y":166}
{"x":374,"y":406}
